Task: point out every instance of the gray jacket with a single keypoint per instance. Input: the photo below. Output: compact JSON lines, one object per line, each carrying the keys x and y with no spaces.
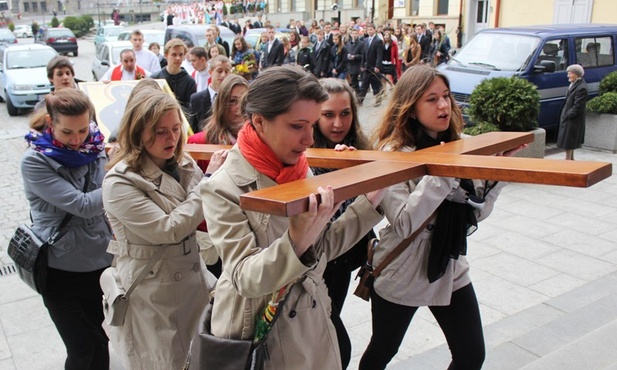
{"x":53,"y":190}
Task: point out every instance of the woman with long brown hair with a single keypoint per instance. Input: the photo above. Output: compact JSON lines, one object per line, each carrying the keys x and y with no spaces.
{"x":338,"y":58}
{"x":411,"y":55}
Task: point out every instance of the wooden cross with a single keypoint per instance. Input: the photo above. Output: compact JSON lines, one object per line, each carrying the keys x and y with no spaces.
{"x":362,"y":171}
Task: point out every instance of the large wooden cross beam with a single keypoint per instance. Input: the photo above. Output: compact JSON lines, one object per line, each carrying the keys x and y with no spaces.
{"x":363,"y":171}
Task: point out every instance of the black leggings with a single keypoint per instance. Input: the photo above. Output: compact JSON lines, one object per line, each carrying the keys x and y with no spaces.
{"x":460,"y":323}
{"x":74,"y":302}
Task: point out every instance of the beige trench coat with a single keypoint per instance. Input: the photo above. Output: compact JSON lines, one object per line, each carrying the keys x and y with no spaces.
{"x":147,"y":213}
{"x":407,"y":205}
{"x":258,"y":259}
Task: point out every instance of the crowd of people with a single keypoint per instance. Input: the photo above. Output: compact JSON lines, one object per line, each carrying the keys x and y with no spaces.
{"x":153,"y":195}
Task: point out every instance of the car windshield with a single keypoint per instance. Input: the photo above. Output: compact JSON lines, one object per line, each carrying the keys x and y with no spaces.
{"x":6,"y":33}
{"x":20,"y":59}
{"x":497,"y":51}
{"x":113,"y":31}
{"x":115,"y":53}
{"x":61,"y":33}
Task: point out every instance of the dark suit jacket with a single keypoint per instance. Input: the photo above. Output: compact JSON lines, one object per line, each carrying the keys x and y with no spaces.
{"x":329,"y":39}
{"x":357,"y":49}
{"x":572,"y":120}
{"x":258,"y":24}
{"x":276,"y":55}
{"x":200,"y":109}
{"x":374,"y":53}
{"x":224,"y":44}
{"x":338,"y":62}
{"x":425,"y":43}
{"x":321,"y":59}
{"x":235,"y":27}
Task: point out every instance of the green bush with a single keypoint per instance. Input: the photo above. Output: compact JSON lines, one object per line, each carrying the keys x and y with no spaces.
{"x":78,"y":25}
{"x":89,"y":21}
{"x":608,"y":83}
{"x":54,"y":22}
{"x":510,"y":103}
{"x":11,"y":26}
{"x":605,"y":103}
{"x":480,"y":128}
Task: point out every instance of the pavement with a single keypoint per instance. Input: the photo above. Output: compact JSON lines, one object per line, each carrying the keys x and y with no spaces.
{"x":544,"y":266}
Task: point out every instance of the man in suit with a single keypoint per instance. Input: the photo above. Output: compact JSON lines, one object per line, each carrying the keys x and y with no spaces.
{"x":202,"y":101}
{"x":274,"y":53}
{"x":424,"y":41}
{"x":372,"y":65}
{"x":321,"y":56}
{"x":328,"y":33}
{"x":258,"y":23}
{"x":219,"y":40}
{"x":226,"y":22}
{"x":355,"y":60}
{"x":235,"y":26}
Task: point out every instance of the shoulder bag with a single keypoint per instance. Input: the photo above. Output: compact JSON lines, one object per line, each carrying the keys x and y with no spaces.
{"x":115,"y":298}
{"x":368,"y":275}
{"x":30,"y":252}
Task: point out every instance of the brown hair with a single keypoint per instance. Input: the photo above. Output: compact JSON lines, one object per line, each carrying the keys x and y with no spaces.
{"x":199,"y":52}
{"x":173,"y":43}
{"x":59,"y":62}
{"x":65,"y":102}
{"x":399,"y":126}
{"x":274,"y":91}
{"x":143,"y":112}
{"x":355,"y":137}
{"x":217,"y":128}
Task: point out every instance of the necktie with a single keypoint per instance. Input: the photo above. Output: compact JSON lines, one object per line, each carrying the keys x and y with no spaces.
{"x":370,"y":40}
{"x":214,"y":98}
{"x":269,"y":46}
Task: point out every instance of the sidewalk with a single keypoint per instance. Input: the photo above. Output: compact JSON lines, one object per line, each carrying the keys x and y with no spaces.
{"x":544,"y":266}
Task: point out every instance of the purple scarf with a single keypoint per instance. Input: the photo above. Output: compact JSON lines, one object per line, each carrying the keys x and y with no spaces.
{"x":87,"y":153}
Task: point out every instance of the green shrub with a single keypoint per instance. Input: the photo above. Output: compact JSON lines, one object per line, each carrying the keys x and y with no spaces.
{"x":76,"y":24}
{"x":511,"y":103}
{"x":605,"y":103}
{"x":54,"y":22}
{"x":89,"y":21}
{"x":11,"y":26}
{"x":480,"y":128}
{"x":608,"y":83}
{"x":224,"y":9}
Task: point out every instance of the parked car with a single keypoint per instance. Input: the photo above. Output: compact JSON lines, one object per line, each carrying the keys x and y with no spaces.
{"x":7,"y":36}
{"x":23,"y":75}
{"x":157,"y":36}
{"x":196,"y":34}
{"x":107,"y":33}
{"x":539,"y":54}
{"x":23,"y":31}
{"x":107,"y":55}
{"x":253,"y":36}
{"x":63,"y":40}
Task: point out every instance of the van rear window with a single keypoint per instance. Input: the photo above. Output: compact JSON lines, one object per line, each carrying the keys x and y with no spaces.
{"x":594,"y":51}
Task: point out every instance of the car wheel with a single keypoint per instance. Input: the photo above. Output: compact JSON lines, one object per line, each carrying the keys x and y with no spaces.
{"x":75,"y":53}
{"x":10,"y":108}
{"x":94,"y":77}
{"x":1,"y":99}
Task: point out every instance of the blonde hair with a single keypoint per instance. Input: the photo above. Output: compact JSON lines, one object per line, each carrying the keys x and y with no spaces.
{"x":217,"y":126}
{"x":173,"y":43}
{"x":143,"y":113}
{"x":399,"y":126}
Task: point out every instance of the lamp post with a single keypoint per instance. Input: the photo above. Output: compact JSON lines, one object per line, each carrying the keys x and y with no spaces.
{"x":141,"y":14}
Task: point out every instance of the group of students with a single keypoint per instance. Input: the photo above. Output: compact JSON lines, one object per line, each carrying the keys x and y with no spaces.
{"x":153,"y":195}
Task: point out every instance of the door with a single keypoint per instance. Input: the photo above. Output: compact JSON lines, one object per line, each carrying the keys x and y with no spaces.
{"x":481,"y":15}
{"x":572,"y":11}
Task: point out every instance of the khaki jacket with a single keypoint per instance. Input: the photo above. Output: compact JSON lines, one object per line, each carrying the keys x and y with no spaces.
{"x":147,"y":213}
{"x":407,"y":205}
{"x":258,"y":259}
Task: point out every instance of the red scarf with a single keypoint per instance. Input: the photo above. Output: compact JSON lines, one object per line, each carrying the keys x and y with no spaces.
{"x":260,"y":156}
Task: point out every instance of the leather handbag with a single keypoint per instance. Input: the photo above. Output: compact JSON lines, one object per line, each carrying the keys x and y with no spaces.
{"x":115,"y":298}
{"x":30,"y":254}
{"x":209,"y":352}
{"x":368,"y":275}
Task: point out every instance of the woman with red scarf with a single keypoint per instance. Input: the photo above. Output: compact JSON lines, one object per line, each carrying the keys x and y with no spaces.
{"x":262,"y":253}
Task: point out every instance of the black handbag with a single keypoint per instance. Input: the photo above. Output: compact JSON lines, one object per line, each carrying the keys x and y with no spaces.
{"x":30,"y":252}
{"x":209,"y":352}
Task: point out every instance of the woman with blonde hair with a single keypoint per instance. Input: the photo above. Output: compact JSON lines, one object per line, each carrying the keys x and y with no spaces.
{"x":151,"y":200}
{"x":62,"y":171}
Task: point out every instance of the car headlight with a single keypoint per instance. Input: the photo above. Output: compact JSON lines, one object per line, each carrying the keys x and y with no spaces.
{"x":23,"y":87}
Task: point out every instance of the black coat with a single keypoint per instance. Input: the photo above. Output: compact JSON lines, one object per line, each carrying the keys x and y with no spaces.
{"x":338,"y":61}
{"x":182,"y":84}
{"x":425,"y":43}
{"x":276,"y":55}
{"x":357,"y":49}
{"x":374,"y":53}
{"x":235,"y":27}
{"x":224,"y":44}
{"x":572,"y":118}
{"x":201,"y":108}
{"x":304,"y":57}
{"x":321,"y":60}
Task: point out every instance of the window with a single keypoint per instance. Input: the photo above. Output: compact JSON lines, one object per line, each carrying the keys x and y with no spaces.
{"x":415,"y":7}
{"x":26,"y":7}
{"x":293,"y":6}
{"x":555,"y":51}
{"x":35,"y":6}
{"x":594,"y":51}
{"x":360,"y":4}
{"x":43,"y":6}
{"x":442,"y":7}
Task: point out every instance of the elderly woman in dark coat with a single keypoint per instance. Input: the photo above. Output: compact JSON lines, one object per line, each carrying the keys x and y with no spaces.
{"x":572,"y":119}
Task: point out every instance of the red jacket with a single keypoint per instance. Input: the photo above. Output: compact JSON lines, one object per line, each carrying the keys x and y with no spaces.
{"x":116,"y":74}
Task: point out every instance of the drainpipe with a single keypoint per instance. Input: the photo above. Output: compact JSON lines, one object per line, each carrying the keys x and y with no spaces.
{"x":497,"y":11}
